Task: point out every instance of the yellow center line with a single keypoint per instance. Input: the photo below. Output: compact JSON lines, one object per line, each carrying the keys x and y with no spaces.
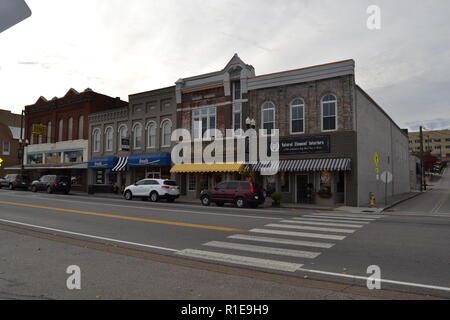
{"x":440,"y":204}
{"x":180,"y":224}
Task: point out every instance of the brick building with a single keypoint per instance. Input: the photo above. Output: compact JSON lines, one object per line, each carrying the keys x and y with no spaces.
{"x":9,"y":142}
{"x":64,"y":149}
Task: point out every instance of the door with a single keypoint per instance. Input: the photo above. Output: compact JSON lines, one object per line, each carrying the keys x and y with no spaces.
{"x":219,"y":192}
{"x":302,"y":188}
{"x":231,"y":191}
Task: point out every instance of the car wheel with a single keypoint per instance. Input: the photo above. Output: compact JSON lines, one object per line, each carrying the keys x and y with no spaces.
{"x":240,"y":202}
{"x":11,"y":187}
{"x":128,"y":195}
{"x":33,"y":189}
{"x":154,"y":197}
{"x":206,"y":201}
{"x":49,"y":190}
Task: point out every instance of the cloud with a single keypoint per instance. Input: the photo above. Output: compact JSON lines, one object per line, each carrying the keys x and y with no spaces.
{"x":435,"y":124}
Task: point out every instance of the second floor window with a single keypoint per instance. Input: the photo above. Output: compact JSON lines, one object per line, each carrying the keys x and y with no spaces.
{"x":137,"y":136}
{"x":237,"y":95}
{"x":203,"y":120}
{"x":329,"y":113}
{"x":70,"y":129}
{"x":49,"y":132}
{"x":268,"y":117}
{"x":96,"y":135}
{"x":166,"y":130}
{"x":151,"y":135}
{"x":80,"y":128}
{"x":237,"y":118}
{"x":109,"y":139}
{"x":123,"y":135}
{"x":298,"y":116}
{"x":6,"y":148}
{"x":60,"y":130}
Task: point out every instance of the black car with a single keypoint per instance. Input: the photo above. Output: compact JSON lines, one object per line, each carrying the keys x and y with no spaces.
{"x":241,"y":193}
{"x":51,"y":184}
{"x":15,"y":181}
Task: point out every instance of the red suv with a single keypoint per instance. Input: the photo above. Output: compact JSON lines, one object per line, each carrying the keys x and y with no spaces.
{"x":241,"y":193}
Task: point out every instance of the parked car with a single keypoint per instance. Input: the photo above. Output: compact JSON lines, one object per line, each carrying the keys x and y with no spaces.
{"x":241,"y":193}
{"x":15,"y":181}
{"x":153,"y":189}
{"x":51,"y":184}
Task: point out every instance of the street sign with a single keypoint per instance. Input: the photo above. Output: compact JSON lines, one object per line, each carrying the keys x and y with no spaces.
{"x":1,"y":161}
{"x":386,"y":177}
{"x":376,"y":159}
{"x":12,"y":12}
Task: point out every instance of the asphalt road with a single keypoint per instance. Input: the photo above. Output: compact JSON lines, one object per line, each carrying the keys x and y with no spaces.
{"x":411,"y":251}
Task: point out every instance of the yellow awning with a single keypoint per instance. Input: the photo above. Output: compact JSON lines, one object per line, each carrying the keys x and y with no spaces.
{"x":205,"y":168}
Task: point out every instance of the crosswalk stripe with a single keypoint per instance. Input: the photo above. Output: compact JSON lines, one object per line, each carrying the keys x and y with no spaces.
{"x":282,"y":241}
{"x":260,"y":249}
{"x":312,"y":223}
{"x":349,"y":215}
{"x":299,"y":234}
{"x":273,"y":225}
{"x":341,"y":218}
{"x":241,"y":260}
{"x":332,"y":220}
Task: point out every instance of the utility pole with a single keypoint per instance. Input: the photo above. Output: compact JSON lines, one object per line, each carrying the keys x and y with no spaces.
{"x":422,"y":177}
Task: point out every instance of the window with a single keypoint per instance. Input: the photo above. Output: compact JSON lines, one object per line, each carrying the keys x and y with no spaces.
{"x":70,"y":129}
{"x":6,"y":148}
{"x":36,"y":158}
{"x":53,"y":158}
{"x":81,"y":128}
{"x":298,"y":116}
{"x":203,"y":119}
{"x":109,"y":138}
{"x":137,"y":136}
{"x":96,"y":137}
{"x":237,"y":118}
{"x":123,"y":135}
{"x":192,"y":186}
{"x":268,"y":117}
{"x":151,"y":135}
{"x":329,"y":113}
{"x":232,"y":186}
{"x":49,"y":132}
{"x":237,"y":90}
{"x":60,"y":130}
{"x":166,"y":133}
{"x":73,"y":157}
{"x":437,"y":140}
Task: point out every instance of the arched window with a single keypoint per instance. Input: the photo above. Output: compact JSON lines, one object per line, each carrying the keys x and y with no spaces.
{"x":166,"y":133}
{"x":60,"y":130}
{"x":137,"y":136}
{"x":297,"y":116}
{"x":268,"y":117}
{"x":96,"y":137}
{"x":70,"y":129}
{"x":81,"y":128}
{"x":151,"y":134}
{"x":109,"y":132}
{"x":329,"y":113}
{"x":123,"y":134}
{"x":49,"y":132}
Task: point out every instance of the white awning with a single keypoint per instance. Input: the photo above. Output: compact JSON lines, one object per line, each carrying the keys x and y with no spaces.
{"x":305,"y":165}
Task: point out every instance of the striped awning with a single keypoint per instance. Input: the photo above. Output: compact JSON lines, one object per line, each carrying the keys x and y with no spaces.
{"x":121,"y":165}
{"x":343,"y":164}
{"x":207,"y":168}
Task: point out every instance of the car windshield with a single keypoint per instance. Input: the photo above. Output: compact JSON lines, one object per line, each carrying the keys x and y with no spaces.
{"x":170,"y":183}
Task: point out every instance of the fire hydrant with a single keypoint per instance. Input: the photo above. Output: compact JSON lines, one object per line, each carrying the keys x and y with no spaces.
{"x":372,"y":200}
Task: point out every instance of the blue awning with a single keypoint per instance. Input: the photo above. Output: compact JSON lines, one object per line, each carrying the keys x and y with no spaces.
{"x":155,"y":159}
{"x":103,"y":163}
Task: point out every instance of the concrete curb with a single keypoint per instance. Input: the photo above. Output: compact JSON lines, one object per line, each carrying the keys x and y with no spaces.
{"x":401,"y":201}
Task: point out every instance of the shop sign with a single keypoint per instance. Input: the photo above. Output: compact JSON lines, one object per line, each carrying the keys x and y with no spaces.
{"x":305,"y":145}
{"x":125,"y":144}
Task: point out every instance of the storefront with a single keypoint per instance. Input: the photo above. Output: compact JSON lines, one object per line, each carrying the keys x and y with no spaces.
{"x":102,"y":178}
{"x":193,"y":178}
{"x":156,"y":166}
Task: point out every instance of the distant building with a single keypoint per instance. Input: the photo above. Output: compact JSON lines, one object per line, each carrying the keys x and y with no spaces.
{"x":64,"y":149}
{"x":436,"y":142}
{"x":9,"y":141}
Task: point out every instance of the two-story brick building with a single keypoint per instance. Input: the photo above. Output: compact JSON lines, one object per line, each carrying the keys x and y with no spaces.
{"x":9,"y":142}
{"x":64,"y":149}
{"x":132,"y":143}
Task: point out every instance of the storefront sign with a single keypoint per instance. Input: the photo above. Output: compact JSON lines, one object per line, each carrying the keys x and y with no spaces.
{"x":39,"y":130}
{"x":305,"y":145}
{"x":125,"y":144}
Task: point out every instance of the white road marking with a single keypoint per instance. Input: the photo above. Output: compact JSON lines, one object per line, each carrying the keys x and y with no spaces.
{"x":349,"y":215}
{"x":260,"y":249}
{"x":323,"y":224}
{"x":273,"y":225}
{"x":332,"y":220}
{"x":241,"y":260}
{"x":402,"y":283}
{"x":87,"y":235}
{"x":299,"y":234}
{"x":283,"y":241}
{"x":340,"y":218}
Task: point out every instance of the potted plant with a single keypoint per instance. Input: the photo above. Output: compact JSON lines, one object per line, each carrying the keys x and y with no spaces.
{"x":276,"y":197}
{"x":325,"y":193}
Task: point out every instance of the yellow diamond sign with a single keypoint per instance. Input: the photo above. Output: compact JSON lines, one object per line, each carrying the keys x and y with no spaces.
{"x":1,"y":161}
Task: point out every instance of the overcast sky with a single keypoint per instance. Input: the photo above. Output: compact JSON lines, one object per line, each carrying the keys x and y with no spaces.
{"x":120,"y":47}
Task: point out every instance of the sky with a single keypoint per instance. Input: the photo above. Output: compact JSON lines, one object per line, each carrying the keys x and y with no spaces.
{"x":121,"y":47}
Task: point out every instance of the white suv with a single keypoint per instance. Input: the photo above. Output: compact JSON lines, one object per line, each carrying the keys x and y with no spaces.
{"x":154,"y":189}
